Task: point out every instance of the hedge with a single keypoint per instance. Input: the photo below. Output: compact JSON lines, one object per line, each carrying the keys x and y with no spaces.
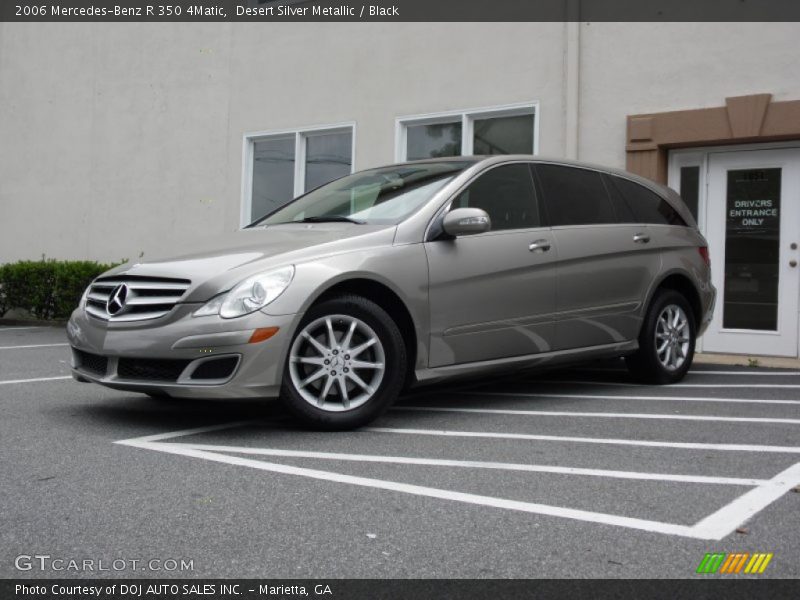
{"x":48,"y":289}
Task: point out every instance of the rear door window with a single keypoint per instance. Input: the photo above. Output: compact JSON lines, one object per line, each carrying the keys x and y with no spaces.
{"x":574,"y":196}
{"x":646,"y":205}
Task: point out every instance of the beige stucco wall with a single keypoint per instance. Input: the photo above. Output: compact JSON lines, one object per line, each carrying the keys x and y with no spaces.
{"x":654,"y":67}
{"x":123,"y":139}
{"x":127,"y":139}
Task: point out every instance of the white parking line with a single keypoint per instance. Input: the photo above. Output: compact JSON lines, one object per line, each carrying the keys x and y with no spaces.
{"x":158,"y":437}
{"x":472,"y":464}
{"x":601,"y":415}
{"x":718,"y":525}
{"x":10,"y":381}
{"x":31,"y":346}
{"x":583,"y":440}
{"x":635,"y":398}
{"x":418,"y":490}
{"x":714,"y":527}
{"x":19,"y":328}
{"x":671,"y":385}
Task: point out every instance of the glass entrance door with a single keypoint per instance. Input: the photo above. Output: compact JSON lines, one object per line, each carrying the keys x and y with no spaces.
{"x":753,"y":230}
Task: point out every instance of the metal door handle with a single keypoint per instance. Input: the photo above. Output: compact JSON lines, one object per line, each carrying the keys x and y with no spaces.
{"x":641,"y":238}
{"x":539,"y":246}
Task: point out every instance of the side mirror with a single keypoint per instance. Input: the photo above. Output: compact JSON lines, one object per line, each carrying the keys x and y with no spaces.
{"x":466,"y":221}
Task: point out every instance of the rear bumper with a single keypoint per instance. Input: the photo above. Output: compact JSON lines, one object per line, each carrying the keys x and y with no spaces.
{"x":709,"y":301}
{"x":163,"y":355}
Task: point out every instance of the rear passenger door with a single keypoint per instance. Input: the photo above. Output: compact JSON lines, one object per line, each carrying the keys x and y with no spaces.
{"x":605,"y":261}
{"x":666,"y":227}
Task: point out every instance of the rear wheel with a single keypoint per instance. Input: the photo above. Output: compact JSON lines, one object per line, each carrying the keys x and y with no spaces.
{"x":666,"y":341}
{"x":346,"y":364}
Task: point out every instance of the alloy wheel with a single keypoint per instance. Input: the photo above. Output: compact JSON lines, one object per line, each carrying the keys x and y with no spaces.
{"x":673,"y":336}
{"x":337,"y":363}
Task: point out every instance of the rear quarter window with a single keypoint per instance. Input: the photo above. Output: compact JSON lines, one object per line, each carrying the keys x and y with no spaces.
{"x":646,"y":205}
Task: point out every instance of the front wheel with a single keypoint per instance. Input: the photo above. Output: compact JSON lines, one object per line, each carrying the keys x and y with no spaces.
{"x":666,"y":341}
{"x":346,"y":364}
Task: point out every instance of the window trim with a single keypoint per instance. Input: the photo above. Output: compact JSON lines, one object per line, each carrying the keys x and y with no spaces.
{"x":467,"y":117}
{"x":301,"y":135}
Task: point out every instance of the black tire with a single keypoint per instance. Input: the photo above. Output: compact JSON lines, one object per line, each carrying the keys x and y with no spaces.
{"x":394,"y":360}
{"x":645,"y":364}
{"x":160,"y":396}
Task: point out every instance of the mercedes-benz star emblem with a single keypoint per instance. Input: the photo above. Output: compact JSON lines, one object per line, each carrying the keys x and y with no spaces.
{"x":116,"y":301}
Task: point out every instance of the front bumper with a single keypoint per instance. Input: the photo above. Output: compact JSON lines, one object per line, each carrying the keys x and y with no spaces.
{"x":183,"y":343}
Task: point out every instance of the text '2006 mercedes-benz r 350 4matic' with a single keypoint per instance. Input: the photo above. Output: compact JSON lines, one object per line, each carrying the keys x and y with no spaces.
{"x":408,"y":274}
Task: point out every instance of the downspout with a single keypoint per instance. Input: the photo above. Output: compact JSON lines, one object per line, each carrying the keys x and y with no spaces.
{"x":572,"y":66}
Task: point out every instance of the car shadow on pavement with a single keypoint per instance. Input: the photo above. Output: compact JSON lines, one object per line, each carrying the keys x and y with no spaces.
{"x":165,"y":414}
{"x":141,"y":412}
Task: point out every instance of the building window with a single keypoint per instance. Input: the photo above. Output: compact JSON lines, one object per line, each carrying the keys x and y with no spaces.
{"x":690,"y":188}
{"x":279,"y":166}
{"x":686,"y":176}
{"x":511,"y":129}
{"x":433,"y":140}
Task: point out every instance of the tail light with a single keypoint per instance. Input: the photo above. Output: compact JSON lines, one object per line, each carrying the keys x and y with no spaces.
{"x":703,"y":250}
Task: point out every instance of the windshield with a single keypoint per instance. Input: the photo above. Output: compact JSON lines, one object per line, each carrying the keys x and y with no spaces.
{"x":378,"y":196}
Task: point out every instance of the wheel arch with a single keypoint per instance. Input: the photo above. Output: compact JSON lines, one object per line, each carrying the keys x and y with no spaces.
{"x":682,"y":283}
{"x":388,"y":299}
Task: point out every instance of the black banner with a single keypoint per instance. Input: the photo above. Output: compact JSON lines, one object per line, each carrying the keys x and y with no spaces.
{"x":396,"y":589}
{"x":398,"y":10}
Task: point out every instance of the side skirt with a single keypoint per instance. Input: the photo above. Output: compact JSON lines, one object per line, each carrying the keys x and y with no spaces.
{"x":543,"y":359}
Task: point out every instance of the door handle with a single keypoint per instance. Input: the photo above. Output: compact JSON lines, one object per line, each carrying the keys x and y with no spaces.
{"x":641,"y":238}
{"x":539,"y":246}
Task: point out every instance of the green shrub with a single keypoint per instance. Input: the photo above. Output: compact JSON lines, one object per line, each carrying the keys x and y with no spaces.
{"x":48,"y":289}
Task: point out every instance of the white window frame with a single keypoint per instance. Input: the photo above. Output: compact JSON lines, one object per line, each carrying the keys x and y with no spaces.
{"x":689,"y":158}
{"x":301,"y":135}
{"x":467,"y":118}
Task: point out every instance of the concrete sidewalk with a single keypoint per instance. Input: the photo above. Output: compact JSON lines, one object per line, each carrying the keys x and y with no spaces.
{"x":775,"y":362}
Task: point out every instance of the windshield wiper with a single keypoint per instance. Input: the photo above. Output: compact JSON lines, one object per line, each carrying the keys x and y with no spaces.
{"x":330,"y":219}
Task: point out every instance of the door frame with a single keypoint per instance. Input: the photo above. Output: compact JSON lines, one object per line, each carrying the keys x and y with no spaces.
{"x":699,"y":156}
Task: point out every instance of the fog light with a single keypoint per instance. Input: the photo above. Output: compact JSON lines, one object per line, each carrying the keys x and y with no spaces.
{"x":259,"y":335}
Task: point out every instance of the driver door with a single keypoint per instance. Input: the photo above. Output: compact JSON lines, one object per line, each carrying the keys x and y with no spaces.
{"x":492,"y":295}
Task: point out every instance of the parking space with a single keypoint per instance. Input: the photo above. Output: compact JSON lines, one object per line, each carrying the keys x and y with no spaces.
{"x":578,"y":472}
{"x":28,"y":352}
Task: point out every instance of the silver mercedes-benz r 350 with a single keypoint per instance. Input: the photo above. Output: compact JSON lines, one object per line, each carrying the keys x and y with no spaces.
{"x":407,"y":274}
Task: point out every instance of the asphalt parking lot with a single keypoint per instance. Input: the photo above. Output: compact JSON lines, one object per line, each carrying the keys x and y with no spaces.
{"x":575,"y":473}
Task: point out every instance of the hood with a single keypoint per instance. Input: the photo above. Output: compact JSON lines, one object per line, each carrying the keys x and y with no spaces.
{"x":218,"y":263}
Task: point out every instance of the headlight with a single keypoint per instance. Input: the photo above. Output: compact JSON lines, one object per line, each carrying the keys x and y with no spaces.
{"x":250,"y":295}
{"x":82,"y":303}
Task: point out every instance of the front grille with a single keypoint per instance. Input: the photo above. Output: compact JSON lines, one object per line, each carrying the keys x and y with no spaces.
{"x":219,"y":368}
{"x":149,"y":369}
{"x":134,"y":298}
{"x":86,"y":361}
